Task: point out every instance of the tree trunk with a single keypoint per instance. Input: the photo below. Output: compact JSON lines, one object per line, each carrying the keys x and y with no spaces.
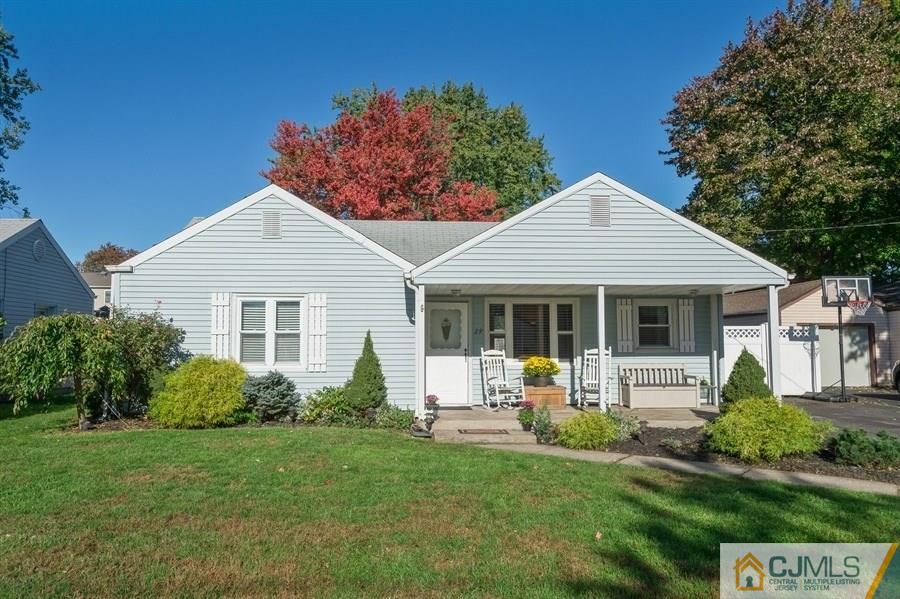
{"x":79,"y":397}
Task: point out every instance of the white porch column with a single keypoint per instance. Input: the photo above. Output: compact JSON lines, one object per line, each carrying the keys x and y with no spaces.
{"x":774,"y":342}
{"x":420,"y":350}
{"x":601,"y":346}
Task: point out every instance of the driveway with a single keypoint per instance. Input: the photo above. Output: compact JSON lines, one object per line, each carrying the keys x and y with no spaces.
{"x":875,"y":411}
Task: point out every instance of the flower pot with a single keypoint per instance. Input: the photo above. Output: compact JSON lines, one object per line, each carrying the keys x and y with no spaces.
{"x":526,"y":427}
{"x":541,"y":381}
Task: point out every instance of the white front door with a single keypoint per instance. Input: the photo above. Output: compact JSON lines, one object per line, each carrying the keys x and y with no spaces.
{"x":447,"y":352}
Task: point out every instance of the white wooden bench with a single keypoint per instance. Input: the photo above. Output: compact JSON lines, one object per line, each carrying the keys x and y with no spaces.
{"x":658,"y":386}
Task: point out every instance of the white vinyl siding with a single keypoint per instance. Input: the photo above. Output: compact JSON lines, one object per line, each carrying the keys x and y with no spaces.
{"x":560,"y":246}
{"x":364,"y":291}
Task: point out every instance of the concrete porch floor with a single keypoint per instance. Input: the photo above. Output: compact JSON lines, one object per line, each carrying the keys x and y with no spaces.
{"x":451,"y":420}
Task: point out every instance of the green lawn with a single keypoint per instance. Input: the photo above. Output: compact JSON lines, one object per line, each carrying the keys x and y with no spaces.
{"x":277,"y":511}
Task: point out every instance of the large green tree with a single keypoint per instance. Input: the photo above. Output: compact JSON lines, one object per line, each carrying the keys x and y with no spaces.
{"x":794,"y":139}
{"x":492,"y":145}
{"x":15,"y":84}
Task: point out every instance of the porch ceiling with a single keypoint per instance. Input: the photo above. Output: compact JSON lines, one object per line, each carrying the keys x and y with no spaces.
{"x":555,"y":289}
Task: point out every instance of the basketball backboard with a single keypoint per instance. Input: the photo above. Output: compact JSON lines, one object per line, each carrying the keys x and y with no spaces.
{"x":837,"y":291}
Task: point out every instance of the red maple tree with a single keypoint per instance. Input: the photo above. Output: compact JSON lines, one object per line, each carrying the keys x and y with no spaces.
{"x":386,"y":163}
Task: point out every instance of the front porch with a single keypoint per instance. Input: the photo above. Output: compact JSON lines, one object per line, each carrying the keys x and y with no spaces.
{"x":478,"y":425}
{"x":666,"y":326}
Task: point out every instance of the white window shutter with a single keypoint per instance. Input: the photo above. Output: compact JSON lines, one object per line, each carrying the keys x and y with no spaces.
{"x":686,"y":325}
{"x":220,"y":325}
{"x":624,"y":325}
{"x":318,"y":324}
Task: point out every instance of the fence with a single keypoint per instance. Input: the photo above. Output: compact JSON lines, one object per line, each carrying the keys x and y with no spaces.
{"x":800,"y":368}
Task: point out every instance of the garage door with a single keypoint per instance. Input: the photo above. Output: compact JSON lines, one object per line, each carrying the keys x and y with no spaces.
{"x":857,"y":356}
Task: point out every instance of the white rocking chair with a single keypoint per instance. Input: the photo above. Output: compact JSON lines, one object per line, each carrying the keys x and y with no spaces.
{"x":499,"y":391}
{"x":590,"y":377}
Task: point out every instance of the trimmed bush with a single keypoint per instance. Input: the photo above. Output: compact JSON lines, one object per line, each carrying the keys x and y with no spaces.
{"x":747,"y":379}
{"x":758,"y":428}
{"x":271,"y":396}
{"x":588,"y":430}
{"x":860,"y":449}
{"x":329,"y":406}
{"x":201,"y":393}
{"x":366,"y":389}
{"x":627,"y":426}
{"x":390,"y":416}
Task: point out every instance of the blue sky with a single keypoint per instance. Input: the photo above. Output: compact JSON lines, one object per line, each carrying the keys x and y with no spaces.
{"x":153,"y":112}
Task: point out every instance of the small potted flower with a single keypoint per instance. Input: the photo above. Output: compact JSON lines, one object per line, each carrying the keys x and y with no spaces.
{"x":540,"y":370}
{"x":526,"y":414}
{"x":431,"y":405}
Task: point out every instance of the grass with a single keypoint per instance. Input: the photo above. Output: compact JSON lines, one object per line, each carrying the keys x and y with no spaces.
{"x":331,"y":512}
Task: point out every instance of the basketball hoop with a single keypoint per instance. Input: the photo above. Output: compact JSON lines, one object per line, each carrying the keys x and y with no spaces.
{"x":859,"y":307}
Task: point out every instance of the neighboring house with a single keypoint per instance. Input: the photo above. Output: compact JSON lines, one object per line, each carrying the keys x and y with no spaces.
{"x":867,"y":344}
{"x":36,"y":277}
{"x":101,"y":284}
{"x":888,"y":296}
{"x":273,"y":282}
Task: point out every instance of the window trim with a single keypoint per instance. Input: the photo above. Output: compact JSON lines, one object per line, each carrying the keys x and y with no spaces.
{"x":554,"y":331}
{"x":270,"y":331}
{"x":671,"y":305}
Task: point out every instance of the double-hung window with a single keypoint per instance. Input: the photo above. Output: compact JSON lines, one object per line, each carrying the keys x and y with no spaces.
{"x":270,"y":331}
{"x":653,"y":324}
{"x":525,"y":328}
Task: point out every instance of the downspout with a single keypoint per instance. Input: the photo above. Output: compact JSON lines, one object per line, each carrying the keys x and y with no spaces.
{"x":419,"y":320}
{"x":3,"y":292}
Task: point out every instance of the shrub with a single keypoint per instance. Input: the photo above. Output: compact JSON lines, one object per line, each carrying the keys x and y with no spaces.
{"x":390,"y":416}
{"x":271,"y":396}
{"x":538,"y":366}
{"x":627,"y":426}
{"x":201,"y":393}
{"x":48,"y":349}
{"x":759,"y":428}
{"x":526,"y":417}
{"x":543,"y":427}
{"x":150,"y":346}
{"x":747,"y":379}
{"x":588,"y":430}
{"x":860,"y":449}
{"x":329,"y":406}
{"x":111,"y":362}
{"x":366,"y":389}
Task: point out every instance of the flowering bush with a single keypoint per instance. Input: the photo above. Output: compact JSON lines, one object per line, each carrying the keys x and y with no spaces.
{"x":526,"y":414}
{"x":540,"y":366}
{"x":431,"y":400}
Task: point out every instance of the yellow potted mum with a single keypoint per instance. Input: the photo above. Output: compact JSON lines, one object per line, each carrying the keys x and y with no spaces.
{"x":540,"y":370}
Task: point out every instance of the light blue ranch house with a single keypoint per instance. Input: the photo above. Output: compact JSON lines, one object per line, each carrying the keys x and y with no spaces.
{"x":275,"y":283}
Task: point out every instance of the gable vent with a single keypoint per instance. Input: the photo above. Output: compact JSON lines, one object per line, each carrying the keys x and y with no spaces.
{"x":599,"y":211}
{"x":271,"y":224}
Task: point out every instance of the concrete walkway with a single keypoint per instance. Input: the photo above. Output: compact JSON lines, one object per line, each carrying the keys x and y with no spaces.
{"x":793,"y":478}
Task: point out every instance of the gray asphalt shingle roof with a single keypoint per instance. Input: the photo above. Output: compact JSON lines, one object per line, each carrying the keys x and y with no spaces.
{"x":418,"y":241}
{"x":11,"y":226}
{"x":756,"y":301}
{"x":98,"y":279}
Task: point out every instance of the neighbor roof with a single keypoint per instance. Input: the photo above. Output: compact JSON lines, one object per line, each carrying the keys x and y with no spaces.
{"x":418,"y":241}
{"x":11,"y":226}
{"x":756,"y":301}
{"x":98,"y":279}
{"x":888,"y":296}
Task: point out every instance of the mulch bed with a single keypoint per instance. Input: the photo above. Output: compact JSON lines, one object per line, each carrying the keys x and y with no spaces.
{"x":689,"y":444}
